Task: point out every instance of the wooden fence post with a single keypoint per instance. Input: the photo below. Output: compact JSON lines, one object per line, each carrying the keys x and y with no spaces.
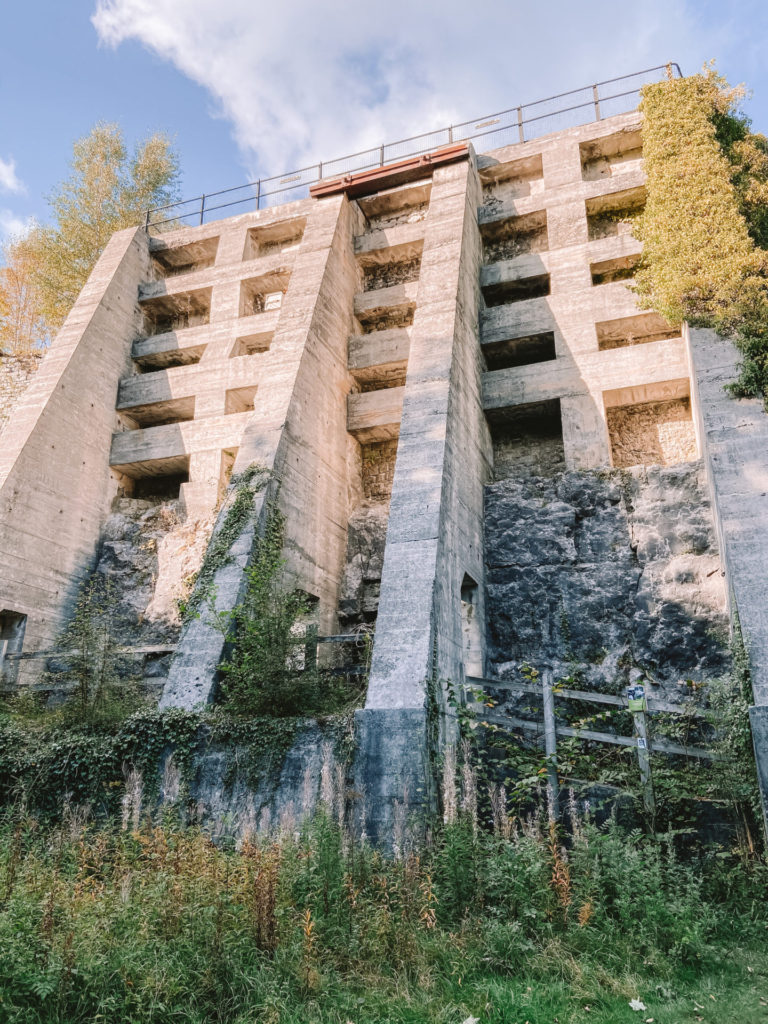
{"x":550,"y":741}
{"x":310,"y":648}
{"x":636,"y":695}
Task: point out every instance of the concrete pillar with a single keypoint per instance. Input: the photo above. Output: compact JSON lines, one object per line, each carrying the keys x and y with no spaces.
{"x":298,"y":432}
{"x":204,"y":488}
{"x":434,"y":536}
{"x":55,"y":495}
{"x":733,"y":434}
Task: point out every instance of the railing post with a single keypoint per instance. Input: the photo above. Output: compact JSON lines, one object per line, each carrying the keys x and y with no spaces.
{"x":596,"y":98}
{"x":202,"y":208}
{"x":381,"y":156}
{"x":146,"y":221}
{"x":310,"y":648}
{"x":258,"y":193}
{"x":320,"y":170}
{"x":450,"y":134}
{"x":520,"y":129}
{"x":550,"y":742}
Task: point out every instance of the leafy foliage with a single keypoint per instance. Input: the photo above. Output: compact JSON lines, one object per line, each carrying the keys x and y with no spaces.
{"x":22,"y":325}
{"x":102,"y":690}
{"x":264,"y":670}
{"x":238,"y":512}
{"x":271,"y":670}
{"x":705,"y":224}
{"x":108,"y":189}
{"x":155,"y":923}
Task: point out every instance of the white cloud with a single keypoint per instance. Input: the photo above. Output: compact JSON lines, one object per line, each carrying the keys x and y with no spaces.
{"x":12,"y":226}
{"x":9,"y":180}
{"x":302,"y":80}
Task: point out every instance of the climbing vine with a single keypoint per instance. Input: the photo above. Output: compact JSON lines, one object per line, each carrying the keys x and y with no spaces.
{"x":239,"y":509}
{"x":704,"y":227}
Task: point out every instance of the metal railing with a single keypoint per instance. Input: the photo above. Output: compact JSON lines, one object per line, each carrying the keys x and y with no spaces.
{"x":517,"y":124}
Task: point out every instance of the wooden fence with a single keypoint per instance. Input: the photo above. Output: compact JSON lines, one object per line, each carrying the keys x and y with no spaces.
{"x":643,"y":740}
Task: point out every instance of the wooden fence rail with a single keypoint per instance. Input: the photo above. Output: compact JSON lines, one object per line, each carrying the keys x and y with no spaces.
{"x":642,"y":741}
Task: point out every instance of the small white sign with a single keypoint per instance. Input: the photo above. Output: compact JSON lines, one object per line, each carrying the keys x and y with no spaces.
{"x":641,"y":744}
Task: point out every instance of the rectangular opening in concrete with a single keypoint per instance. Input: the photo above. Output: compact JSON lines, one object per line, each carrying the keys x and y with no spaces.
{"x":175,"y":312}
{"x":160,"y":487}
{"x":389,"y":377}
{"x":149,"y":361}
{"x":12,"y":628}
{"x":240,"y":399}
{"x":158,"y":414}
{"x":622,"y":268}
{"x":611,"y":215}
{"x":472,"y":627}
{"x":386,"y":318}
{"x":512,"y":180}
{"x":406,"y":204}
{"x":378,"y":468}
{"x":391,"y":266}
{"x":263,"y":294}
{"x":269,"y":239}
{"x":527,"y":440}
{"x":170,"y":260}
{"x":651,"y":424}
{"x":633,"y":330}
{"x":533,"y":348}
{"x":612,"y":155}
{"x":505,"y":239}
{"x":251,"y":344}
{"x":516,"y":290}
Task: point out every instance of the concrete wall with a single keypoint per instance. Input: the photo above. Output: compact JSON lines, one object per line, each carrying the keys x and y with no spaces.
{"x":554,"y":176}
{"x":734,"y":438}
{"x":55,"y":481}
{"x":298,"y":431}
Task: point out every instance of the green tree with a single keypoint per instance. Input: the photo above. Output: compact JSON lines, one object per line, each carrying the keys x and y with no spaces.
{"x":109,"y":189}
{"x":705,"y":224}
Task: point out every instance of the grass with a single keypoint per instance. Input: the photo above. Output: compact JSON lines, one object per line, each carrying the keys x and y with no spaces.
{"x":146,"y":919}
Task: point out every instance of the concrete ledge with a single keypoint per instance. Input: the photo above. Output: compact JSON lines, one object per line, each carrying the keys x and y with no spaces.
{"x":375,"y":415}
{"x":264,"y":266}
{"x":175,"y":440}
{"x":383,"y":298}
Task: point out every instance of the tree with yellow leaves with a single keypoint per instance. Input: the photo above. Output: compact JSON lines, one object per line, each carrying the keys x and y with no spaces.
{"x":108,"y":189}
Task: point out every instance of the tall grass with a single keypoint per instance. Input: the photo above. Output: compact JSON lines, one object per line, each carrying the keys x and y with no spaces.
{"x":142,"y":919}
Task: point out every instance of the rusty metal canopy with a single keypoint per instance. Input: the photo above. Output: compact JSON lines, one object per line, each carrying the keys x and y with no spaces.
{"x":389,"y":175}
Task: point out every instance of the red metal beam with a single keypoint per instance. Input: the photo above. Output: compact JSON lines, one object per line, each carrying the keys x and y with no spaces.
{"x":376,"y":178}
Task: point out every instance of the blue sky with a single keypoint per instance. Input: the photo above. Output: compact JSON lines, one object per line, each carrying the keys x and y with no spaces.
{"x":248,"y":88}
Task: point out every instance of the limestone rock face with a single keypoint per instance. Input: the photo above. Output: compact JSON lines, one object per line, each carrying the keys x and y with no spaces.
{"x":149,"y":556}
{"x":366,"y":535}
{"x":607,"y":571}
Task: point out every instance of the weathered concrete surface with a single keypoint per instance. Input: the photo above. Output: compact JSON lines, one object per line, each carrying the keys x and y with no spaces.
{"x":734,"y":439}
{"x":610,"y":572}
{"x":434,"y":537}
{"x":394,"y":772}
{"x":548,"y":181}
{"x":238,"y":790}
{"x":298,"y":431}
{"x":55,"y":480}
